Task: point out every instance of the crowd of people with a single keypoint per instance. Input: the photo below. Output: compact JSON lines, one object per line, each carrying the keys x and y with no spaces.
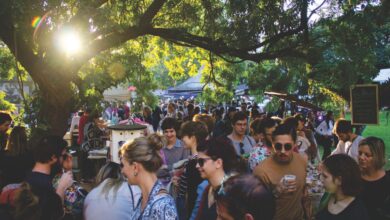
{"x":234,"y":164}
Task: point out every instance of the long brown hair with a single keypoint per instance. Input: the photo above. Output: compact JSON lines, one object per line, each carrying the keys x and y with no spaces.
{"x":17,"y":141}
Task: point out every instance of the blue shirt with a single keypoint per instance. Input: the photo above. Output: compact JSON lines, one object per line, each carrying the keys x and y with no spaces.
{"x":160,"y":205}
{"x":176,"y":153}
{"x":247,"y":143}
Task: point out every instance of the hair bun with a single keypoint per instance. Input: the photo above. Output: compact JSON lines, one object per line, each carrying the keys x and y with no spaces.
{"x":156,"y":141}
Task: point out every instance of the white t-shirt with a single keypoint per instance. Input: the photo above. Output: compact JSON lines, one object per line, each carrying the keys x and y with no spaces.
{"x":350,"y":148}
{"x":323,"y":128}
{"x":99,"y":207}
{"x":303,"y":144}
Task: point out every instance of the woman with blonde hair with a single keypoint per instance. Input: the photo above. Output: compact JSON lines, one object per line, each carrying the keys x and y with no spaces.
{"x":111,"y":198}
{"x":17,"y":159}
{"x":376,"y":181}
{"x":140,"y":161}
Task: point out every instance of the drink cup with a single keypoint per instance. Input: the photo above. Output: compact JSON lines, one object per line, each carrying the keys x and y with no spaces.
{"x":288,"y":179}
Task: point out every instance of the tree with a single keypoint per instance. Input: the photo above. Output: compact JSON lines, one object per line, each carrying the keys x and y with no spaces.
{"x":342,"y":51}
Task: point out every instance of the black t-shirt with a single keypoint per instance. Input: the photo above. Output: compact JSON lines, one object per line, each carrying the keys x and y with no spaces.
{"x":355,"y":211}
{"x":204,"y":211}
{"x":50,"y":202}
{"x":374,"y":194}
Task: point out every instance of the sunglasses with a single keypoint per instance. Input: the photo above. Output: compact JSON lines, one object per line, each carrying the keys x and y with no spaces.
{"x":201,"y":161}
{"x":279,"y":146}
{"x":242,"y":151}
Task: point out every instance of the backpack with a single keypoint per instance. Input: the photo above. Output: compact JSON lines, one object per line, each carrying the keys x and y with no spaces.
{"x":74,"y":197}
{"x":92,"y":137}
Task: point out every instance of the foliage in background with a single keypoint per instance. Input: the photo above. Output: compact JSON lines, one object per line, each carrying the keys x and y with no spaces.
{"x":6,"y":105}
{"x":349,"y":50}
{"x":342,"y":51}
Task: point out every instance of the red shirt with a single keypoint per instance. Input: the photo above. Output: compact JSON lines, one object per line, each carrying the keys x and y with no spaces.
{"x":83,"y":121}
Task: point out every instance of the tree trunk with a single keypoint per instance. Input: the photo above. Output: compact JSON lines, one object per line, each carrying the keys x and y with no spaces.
{"x":56,"y":110}
{"x":56,"y":101}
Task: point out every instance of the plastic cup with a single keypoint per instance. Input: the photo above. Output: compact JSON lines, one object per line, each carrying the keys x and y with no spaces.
{"x":287,"y":179}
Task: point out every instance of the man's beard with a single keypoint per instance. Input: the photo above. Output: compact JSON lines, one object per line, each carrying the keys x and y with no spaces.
{"x":56,"y":168}
{"x":279,"y":160}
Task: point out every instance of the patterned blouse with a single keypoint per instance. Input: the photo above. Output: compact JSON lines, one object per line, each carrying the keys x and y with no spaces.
{"x":258,"y":154}
{"x":160,"y":205}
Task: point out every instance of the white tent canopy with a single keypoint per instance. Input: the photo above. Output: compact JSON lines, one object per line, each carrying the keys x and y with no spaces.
{"x":119,"y":93}
{"x":383,"y":76}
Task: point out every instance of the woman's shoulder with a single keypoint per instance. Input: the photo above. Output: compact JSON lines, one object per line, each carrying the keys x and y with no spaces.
{"x":358,"y":208}
{"x":355,"y":210}
{"x":163,"y":199}
{"x":163,"y":207}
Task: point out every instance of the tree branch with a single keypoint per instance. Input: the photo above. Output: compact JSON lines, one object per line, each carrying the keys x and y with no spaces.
{"x":218,"y":46}
{"x":84,"y":13}
{"x":314,"y":10}
{"x":114,"y":38}
{"x":98,"y":3}
{"x":273,"y":39}
{"x":15,"y":43}
{"x":111,"y":40}
{"x":150,"y":13}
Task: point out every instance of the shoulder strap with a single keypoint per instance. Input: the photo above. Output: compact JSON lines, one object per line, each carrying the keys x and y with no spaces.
{"x":250,"y":141}
{"x":132,"y":195}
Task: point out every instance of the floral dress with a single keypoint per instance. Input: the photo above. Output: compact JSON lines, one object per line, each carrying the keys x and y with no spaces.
{"x":74,"y":197}
{"x":258,"y":154}
{"x":160,"y":205}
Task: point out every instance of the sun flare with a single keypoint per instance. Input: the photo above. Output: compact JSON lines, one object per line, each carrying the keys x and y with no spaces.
{"x":69,"y":42}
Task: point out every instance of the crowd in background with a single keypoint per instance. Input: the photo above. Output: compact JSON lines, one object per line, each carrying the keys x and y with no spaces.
{"x":201,"y":163}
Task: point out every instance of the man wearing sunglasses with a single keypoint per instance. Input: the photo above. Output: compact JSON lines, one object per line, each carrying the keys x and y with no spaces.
{"x":285,"y":174}
{"x":242,"y":143}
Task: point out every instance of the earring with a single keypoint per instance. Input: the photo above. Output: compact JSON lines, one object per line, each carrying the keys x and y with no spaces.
{"x":135,"y":174}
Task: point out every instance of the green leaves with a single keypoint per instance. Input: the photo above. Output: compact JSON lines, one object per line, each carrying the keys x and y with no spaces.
{"x":4,"y":104}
